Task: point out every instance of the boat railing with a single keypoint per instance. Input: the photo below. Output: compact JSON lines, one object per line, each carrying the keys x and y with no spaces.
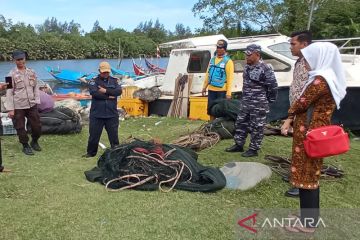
{"x":346,"y":44}
{"x":252,"y":38}
{"x":256,"y":36}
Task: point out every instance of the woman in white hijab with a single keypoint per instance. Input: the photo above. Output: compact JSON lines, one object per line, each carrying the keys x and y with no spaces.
{"x":323,"y":92}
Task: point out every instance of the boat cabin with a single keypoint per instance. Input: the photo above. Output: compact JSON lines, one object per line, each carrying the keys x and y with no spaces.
{"x":192,"y":56}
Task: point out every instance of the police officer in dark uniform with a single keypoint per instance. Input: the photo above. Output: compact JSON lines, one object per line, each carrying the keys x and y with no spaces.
{"x":259,"y":89}
{"x":104,"y":90}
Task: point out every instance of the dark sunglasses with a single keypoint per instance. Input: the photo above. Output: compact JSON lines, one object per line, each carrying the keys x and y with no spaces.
{"x":20,"y":59}
{"x":220,"y":47}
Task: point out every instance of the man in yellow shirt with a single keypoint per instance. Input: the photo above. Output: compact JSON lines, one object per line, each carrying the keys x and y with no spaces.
{"x":219,"y":76}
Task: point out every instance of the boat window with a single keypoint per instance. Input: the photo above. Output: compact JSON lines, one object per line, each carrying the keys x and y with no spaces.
{"x":275,"y":64}
{"x":283,"y":49}
{"x":199,"y":62}
{"x":238,"y":57}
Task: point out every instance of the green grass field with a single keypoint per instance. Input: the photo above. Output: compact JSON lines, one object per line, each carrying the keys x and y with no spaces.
{"x":46,"y":196}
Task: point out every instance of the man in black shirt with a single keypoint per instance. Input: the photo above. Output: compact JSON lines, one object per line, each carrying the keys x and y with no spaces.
{"x":104,"y":90}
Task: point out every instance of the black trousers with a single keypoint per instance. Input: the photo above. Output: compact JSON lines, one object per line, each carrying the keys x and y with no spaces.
{"x":33,"y":117}
{"x":96,"y":126}
{"x":212,"y":96}
{"x":309,"y":206}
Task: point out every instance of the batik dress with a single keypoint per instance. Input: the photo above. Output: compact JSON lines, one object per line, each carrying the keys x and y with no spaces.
{"x":305,"y":171}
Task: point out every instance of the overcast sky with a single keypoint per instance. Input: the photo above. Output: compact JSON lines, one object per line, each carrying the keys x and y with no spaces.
{"x":126,"y":14}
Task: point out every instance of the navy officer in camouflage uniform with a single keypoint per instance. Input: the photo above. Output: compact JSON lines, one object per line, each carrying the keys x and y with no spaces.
{"x":104,"y":90}
{"x":259,"y":89}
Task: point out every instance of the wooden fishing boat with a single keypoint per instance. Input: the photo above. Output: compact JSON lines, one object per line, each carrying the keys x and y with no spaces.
{"x":154,"y":68}
{"x":69,"y":76}
{"x":138,"y":70}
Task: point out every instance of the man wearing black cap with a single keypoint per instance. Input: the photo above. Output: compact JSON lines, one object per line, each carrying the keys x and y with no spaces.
{"x":219,"y":76}
{"x":259,"y":89}
{"x":22,"y":102}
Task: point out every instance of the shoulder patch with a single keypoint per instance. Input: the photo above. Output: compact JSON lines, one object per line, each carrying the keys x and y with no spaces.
{"x":92,"y":82}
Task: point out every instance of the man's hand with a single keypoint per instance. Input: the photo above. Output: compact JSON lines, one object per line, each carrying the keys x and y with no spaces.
{"x":111,"y":97}
{"x":228,"y":97}
{"x":3,"y":86}
{"x":102,"y":90}
{"x":286,"y":126}
{"x":203,"y":92}
{"x":11,"y":114}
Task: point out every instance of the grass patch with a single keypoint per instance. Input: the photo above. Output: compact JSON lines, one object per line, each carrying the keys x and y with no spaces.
{"x":47,"y":196}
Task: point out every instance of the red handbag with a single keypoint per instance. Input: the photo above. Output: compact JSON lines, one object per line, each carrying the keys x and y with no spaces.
{"x":326,"y":141}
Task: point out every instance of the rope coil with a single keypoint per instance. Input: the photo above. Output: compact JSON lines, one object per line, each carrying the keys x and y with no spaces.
{"x":151,"y":168}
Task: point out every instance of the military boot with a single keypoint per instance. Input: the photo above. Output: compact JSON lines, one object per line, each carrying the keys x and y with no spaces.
{"x":35,"y":145}
{"x":27,"y":149}
{"x":235,"y":148}
{"x":250,"y":153}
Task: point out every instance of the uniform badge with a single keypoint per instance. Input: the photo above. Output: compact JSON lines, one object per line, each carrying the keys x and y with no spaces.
{"x":92,"y":83}
{"x":222,"y":65}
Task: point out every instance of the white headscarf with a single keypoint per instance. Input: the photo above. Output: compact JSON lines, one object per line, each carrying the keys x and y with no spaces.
{"x":325,"y":60}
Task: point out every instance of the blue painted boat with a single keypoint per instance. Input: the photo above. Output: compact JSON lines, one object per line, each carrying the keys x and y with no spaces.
{"x":122,"y":73}
{"x":69,"y":76}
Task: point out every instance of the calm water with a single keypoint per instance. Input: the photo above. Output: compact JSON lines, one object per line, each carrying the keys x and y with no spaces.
{"x":84,"y":66}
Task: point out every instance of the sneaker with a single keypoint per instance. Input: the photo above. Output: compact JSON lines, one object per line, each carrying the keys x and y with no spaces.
{"x":35,"y":146}
{"x":27,"y":149}
{"x":234,"y":148}
{"x":250,"y":153}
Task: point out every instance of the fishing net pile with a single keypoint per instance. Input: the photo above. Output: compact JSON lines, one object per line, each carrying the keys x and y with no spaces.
{"x":223,"y":127}
{"x":226,"y":112}
{"x":226,"y":108}
{"x":61,"y":120}
{"x":147,"y":94}
{"x":145,"y":165}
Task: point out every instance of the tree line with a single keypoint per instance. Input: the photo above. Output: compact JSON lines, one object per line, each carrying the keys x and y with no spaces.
{"x":57,"y":40}
{"x":233,"y":18}
{"x":328,"y":18}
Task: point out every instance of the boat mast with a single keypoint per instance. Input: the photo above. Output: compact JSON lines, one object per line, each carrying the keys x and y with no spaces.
{"x":311,"y":13}
{"x":119,"y":56}
{"x":157,"y":55}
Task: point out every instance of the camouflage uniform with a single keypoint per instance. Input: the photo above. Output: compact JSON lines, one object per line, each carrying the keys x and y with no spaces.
{"x":259,"y":89}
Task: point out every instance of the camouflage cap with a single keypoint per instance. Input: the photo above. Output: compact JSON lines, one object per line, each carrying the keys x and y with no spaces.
{"x":252,"y":48}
